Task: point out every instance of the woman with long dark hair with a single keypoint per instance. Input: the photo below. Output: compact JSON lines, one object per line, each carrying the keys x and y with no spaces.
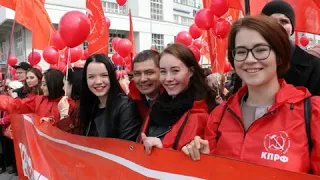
{"x":45,"y":105}
{"x":105,"y":110}
{"x":182,"y":110}
{"x":72,"y":87}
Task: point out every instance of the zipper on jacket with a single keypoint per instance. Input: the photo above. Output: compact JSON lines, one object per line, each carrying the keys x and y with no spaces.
{"x":245,"y":132}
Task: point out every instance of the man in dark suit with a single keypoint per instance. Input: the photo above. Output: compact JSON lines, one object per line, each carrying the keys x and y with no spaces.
{"x":305,"y":68}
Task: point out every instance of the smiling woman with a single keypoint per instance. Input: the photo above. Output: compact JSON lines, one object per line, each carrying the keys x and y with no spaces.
{"x":181,"y":111}
{"x":105,"y":110}
{"x":264,"y":122}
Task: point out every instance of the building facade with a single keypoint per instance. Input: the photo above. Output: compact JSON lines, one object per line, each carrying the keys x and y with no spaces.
{"x":155,"y":23}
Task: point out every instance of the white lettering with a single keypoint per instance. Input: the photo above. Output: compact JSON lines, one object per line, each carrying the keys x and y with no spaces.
{"x":274,"y":157}
{"x":27,"y":168}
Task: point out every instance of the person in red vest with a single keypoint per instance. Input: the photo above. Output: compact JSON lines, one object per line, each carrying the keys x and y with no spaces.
{"x":268,"y":121}
{"x":145,"y":86}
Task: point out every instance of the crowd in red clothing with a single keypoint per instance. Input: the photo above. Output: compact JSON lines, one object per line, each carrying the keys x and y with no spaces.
{"x":270,"y":117}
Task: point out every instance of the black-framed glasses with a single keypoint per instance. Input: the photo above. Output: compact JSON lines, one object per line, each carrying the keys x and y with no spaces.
{"x":260,"y":52}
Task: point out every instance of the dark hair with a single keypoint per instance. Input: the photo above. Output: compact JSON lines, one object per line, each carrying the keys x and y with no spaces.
{"x":207,"y":71}
{"x":87,"y":99}
{"x":74,"y":78}
{"x":198,"y":80}
{"x":147,"y":55}
{"x":271,"y":31}
{"x":36,"y":89}
{"x":54,"y":81}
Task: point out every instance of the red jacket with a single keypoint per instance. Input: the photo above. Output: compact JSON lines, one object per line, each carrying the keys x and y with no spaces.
{"x":277,"y":139}
{"x":39,"y":105}
{"x":196,"y":122}
{"x":135,"y":95}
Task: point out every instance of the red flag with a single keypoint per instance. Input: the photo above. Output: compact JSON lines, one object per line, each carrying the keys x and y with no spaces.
{"x":98,"y":40}
{"x":307,"y":13}
{"x":131,"y":35}
{"x":32,"y":15}
{"x":8,"y":4}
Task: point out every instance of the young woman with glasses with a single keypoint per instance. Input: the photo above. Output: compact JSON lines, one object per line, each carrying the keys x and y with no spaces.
{"x":265,"y":121}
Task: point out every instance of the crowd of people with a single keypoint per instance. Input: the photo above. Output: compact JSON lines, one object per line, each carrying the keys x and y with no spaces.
{"x":266,"y":113}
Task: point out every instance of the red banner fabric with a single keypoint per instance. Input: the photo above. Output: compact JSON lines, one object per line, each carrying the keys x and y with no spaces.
{"x":307,"y":13}
{"x":44,"y":152}
{"x":98,"y":40}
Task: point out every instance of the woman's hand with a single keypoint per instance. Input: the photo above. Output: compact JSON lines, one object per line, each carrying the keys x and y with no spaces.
{"x":150,"y":142}
{"x":63,"y":107}
{"x":195,"y":147}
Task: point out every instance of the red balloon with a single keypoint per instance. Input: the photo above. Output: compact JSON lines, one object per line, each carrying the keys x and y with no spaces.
{"x":204,"y":19}
{"x":74,"y":28}
{"x":78,"y":64}
{"x":34,"y":58}
{"x":304,"y":41}
{"x":85,"y":54}
{"x":38,"y":67}
{"x":195,"y":52}
{"x":118,"y":74}
{"x":184,"y":37}
{"x":124,"y":47}
{"x":53,"y":66}
{"x":50,"y":55}
{"x":197,"y":43}
{"x":108,"y":22}
{"x":221,"y":28}
{"x":57,"y":41}
{"x":124,"y":72}
{"x":115,"y":42}
{"x":219,"y":7}
{"x":13,"y":70}
{"x":62,"y":67}
{"x":12,"y":60}
{"x":194,"y":31}
{"x":76,"y":54}
{"x":121,"y":2}
{"x":117,"y":59}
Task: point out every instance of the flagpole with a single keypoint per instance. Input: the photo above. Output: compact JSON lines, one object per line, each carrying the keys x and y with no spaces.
{"x":247,"y":6}
{"x":9,"y":53}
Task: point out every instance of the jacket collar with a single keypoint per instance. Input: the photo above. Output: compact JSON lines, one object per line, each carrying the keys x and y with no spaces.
{"x":135,"y":94}
{"x":287,"y":94}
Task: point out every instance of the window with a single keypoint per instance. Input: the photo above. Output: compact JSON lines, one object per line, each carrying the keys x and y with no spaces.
{"x":183,"y":20}
{"x":157,"y":41}
{"x":176,"y":18}
{"x":187,"y":2}
{"x":156,"y":9}
{"x":114,"y":8}
{"x":111,"y":36}
{"x":18,"y":43}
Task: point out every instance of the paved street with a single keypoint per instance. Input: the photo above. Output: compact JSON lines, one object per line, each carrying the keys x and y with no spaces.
{"x":6,"y":176}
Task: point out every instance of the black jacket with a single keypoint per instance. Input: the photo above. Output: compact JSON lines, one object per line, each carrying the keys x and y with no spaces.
{"x":304,"y":71}
{"x":22,"y":92}
{"x":122,"y":122}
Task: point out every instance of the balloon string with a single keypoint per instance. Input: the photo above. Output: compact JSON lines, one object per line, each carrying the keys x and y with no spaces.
{"x":67,"y":72}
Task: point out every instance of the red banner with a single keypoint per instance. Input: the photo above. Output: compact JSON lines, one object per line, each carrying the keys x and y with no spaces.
{"x":307,"y":13}
{"x":98,"y":40}
{"x":44,"y":152}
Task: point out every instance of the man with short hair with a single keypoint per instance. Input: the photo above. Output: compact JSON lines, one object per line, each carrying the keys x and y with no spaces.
{"x":21,"y":74}
{"x":145,"y":86}
{"x":304,"y":68}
